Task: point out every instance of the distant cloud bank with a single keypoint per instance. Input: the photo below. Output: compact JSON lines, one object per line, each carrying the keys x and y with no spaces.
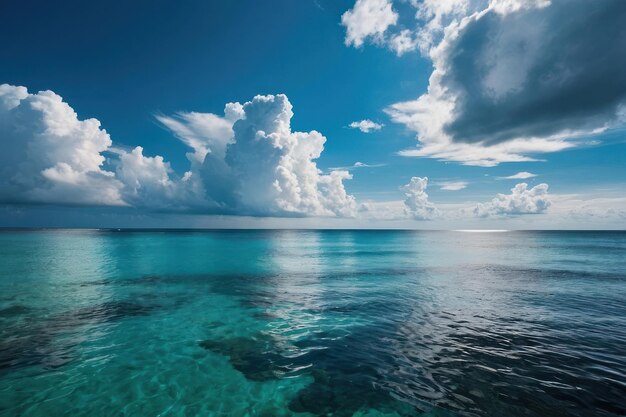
{"x":247,"y":161}
{"x":522,"y":200}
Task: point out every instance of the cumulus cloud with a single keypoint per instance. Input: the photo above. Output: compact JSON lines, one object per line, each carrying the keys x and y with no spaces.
{"x":522,"y":200}
{"x":368,"y":19}
{"x":151,"y":183}
{"x":248,"y":161}
{"x":513,"y":79}
{"x":519,"y":176}
{"x":49,"y":155}
{"x":257,"y":165}
{"x":452,"y":185}
{"x":366,"y":126}
{"x":416,"y":203}
{"x":53,"y":157}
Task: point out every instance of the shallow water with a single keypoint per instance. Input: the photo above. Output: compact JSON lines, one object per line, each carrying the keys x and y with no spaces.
{"x":307,"y":323}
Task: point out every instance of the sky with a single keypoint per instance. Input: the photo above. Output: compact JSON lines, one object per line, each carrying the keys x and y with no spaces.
{"x":425,"y":114}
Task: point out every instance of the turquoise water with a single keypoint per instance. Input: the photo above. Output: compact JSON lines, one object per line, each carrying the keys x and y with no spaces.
{"x":312,"y":323}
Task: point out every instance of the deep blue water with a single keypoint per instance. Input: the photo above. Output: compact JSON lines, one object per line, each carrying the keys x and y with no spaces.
{"x":312,"y":323}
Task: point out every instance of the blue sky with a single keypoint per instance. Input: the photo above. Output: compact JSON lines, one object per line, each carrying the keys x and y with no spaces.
{"x":132,"y":65}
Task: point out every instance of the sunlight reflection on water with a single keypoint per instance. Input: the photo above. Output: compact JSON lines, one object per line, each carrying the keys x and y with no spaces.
{"x":312,"y":323}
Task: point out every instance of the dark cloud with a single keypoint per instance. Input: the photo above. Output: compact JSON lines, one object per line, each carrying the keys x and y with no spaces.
{"x":538,"y":72}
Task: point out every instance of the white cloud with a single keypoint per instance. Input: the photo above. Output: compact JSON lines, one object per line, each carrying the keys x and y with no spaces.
{"x":510,"y":6}
{"x":368,"y":19}
{"x":358,"y":165}
{"x":403,"y":42}
{"x":363,"y":165}
{"x":519,"y":176}
{"x":49,"y":155}
{"x":522,"y":200}
{"x":416,"y":203}
{"x":366,"y":126}
{"x":374,"y":20}
{"x":261,"y":167}
{"x":434,"y":16}
{"x":516,"y":210}
{"x":452,"y":185}
{"x":53,"y":157}
{"x":148,"y":182}
{"x":441,"y":147}
{"x":245,"y":162}
{"x":593,"y":209}
{"x":204,"y":132}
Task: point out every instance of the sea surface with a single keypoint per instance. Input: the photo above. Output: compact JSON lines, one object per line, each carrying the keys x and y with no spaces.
{"x":312,"y":323}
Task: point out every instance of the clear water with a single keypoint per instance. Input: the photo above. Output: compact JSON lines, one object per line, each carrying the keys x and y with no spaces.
{"x":308,"y":323}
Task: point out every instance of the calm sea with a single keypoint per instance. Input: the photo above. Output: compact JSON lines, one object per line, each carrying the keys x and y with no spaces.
{"x":312,"y":323}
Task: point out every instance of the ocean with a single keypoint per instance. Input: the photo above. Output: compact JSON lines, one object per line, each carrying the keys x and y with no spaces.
{"x":312,"y":323}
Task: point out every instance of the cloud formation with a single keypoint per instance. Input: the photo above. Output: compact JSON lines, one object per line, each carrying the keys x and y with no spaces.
{"x":364,"y":165}
{"x":403,"y":42}
{"x":246,"y":162}
{"x":452,"y":185}
{"x":522,"y":200}
{"x":150,"y":182}
{"x":416,"y":203}
{"x":513,"y":79}
{"x":250,"y":162}
{"x":204,"y":132}
{"x":357,"y":165}
{"x":366,"y":126}
{"x":368,"y":19}
{"x":551,"y":83}
{"x":49,"y":155}
{"x":519,"y":176}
